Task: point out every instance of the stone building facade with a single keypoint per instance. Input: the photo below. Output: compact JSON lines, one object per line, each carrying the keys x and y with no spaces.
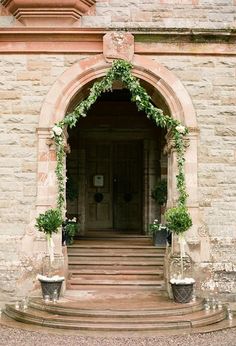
{"x":183,"y":51}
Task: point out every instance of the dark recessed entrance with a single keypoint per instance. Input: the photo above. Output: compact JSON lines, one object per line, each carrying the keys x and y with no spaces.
{"x":115,"y":161}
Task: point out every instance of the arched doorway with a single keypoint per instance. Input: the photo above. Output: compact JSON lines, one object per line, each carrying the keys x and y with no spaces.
{"x":116,"y":157}
{"x":74,"y":85}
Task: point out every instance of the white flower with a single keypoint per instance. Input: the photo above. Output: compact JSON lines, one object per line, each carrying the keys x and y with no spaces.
{"x":181,"y":129}
{"x":138,"y":98}
{"x":72,"y":220}
{"x":50,"y":279}
{"x":182,"y":281}
{"x":57,"y":130}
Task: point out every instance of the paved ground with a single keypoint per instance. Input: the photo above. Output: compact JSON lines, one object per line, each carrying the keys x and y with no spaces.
{"x":19,"y":337}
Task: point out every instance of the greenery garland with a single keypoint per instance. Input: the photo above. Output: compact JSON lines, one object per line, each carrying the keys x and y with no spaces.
{"x":122,"y":70}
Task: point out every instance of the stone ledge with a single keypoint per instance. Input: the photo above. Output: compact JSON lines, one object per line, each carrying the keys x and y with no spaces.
{"x":83,"y":40}
{"x":48,"y":12}
{"x":142,"y":35}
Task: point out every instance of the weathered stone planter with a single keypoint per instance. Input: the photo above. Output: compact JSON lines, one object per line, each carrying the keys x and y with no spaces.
{"x":49,"y":287}
{"x":182,"y":293}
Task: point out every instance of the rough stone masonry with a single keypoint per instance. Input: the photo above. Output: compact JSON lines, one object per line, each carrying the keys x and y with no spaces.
{"x":207,"y":73}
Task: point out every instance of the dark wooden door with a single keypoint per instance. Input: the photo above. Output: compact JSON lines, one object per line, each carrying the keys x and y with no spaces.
{"x":117,"y":202}
{"x":127,"y":185}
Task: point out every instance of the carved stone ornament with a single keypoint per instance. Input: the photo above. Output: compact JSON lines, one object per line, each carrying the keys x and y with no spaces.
{"x":48,"y":12}
{"x":118,"y":45}
{"x":170,"y":145}
{"x":203,"y":230}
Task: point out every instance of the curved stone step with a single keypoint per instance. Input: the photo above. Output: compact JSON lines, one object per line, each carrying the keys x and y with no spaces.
{"x":74,"y":309}
{"x":118,"y":323}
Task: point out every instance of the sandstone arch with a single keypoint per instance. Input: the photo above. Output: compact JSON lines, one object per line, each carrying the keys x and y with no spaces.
{"x":162,"y":81}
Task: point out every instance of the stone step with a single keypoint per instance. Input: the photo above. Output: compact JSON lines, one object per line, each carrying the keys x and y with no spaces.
{"x":74,"y":283}
{"x":113,"y":253}
{"x":116,"y":285}
{"x":111,"y":271}
{"x":111,"y":246}
{"x":160,"y":308}
{"x":109,"y":288}
{"x":117,"y":276}
{"x":126,"y":296}
{"x":112,"y":235}
{"x":112,"y":261}
{"x":116,"y":323}
{"x":115,"y":267}
{"x":115,"y":241}
{"x":114,"y":290}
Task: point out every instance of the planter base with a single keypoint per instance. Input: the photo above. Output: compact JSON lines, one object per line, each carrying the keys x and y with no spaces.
{"x":160,"y":238}
{"x":182,"y":293}
{"x":49,"y":287}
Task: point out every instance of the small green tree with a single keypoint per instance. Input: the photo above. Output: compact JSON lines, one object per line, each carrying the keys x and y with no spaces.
{"x":49,"y":223}
{"x":178,"y":220}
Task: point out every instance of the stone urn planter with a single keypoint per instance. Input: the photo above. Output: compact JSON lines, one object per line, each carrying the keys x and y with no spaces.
{"x":49,"y":223}
{"x":51,"y":286}
{"x":182,"y":289}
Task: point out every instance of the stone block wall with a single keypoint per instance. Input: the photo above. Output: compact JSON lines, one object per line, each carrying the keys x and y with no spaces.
{"x":210,"y":80}
{"x":208,"y":14}
{"x":163,"y":14}
{"x":211,"y":83}
{"x":25,"y":81}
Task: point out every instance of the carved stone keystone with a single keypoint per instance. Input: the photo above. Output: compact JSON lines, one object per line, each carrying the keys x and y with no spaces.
{"x":118,"y":45}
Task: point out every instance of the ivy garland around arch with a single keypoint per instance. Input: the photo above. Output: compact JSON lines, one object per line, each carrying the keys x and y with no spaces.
{"x":122,"y":70}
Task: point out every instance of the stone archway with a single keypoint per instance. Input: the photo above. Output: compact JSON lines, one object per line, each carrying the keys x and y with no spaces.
{"x":162,"y":81}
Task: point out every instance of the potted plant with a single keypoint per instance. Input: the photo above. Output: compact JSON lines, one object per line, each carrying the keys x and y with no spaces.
{"x":159,"y":194}
{"x":179,"y":221}
{"x":49,"y":223}
{"x":159,"y":233}
{"x":69,"y":229}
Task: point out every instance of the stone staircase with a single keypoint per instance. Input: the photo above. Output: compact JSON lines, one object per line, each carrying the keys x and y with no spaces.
{"x":116,"y":261}
{"x":115,"y":284}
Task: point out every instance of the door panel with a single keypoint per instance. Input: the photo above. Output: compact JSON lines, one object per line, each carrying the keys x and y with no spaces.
{"x":127,"y":185}
{"x":120,"y":164}
{"x":98,"y":212}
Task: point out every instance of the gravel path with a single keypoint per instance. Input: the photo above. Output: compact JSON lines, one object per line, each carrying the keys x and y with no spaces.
{"x":12,"y":336}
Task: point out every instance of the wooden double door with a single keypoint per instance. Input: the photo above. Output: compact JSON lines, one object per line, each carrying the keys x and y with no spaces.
{"x":114,"y":172}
